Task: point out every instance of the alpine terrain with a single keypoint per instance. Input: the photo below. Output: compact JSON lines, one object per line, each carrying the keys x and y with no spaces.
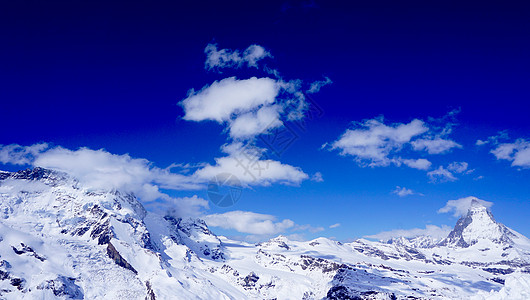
{"x":62,"y":240}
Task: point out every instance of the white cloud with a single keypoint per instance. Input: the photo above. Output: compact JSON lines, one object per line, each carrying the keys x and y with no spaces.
{"x":434,"y":146}
{"x":183,"y":207}
{"x":317,"y":177}
{"x":448,"y":174}
{"x":459,"y":167}
{"x":372,"y":141}
{"x":99,"y":169}
{"x":429,"y":230}
{"x":461,"y":206}
{"x":20,"y":155}
{"x":102,"y":170}
{"x":253,"y":172}
{"x":220,"y":100}
{"x":247,"y":107}
{"x":441,"y":175}
{"x":501,"y":135}
{"x":518,"y":153}
{"x":226,"y":58}
{"x":420,"y":164}
{"x":308,"y":227}
{"x":253,"y":123}
{"x":317,"y":85}
{"x":249,"y":222}
{"x":403,"y":191}
{"x":481,"y":142}
{"x":334,"y":225}
{"x":251,"y":168}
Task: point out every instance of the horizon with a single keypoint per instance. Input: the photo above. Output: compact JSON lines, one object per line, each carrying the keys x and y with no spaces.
{"x":299,"y":118}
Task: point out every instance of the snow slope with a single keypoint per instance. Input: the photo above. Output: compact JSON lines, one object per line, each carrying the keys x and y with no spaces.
{"x":59,"y":239}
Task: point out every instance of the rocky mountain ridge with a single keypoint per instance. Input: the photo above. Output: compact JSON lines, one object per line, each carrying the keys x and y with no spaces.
{"x":59,"y":239}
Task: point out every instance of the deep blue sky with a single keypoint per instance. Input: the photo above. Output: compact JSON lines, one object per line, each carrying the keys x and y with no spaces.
{"x":110,"y":75}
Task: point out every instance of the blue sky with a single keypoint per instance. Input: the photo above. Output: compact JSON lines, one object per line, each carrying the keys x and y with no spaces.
{"x":115,"y":76}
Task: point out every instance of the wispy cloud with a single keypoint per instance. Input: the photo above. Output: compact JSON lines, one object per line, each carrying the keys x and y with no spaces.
{"x":433,"y":231}
{"x":403,"y":191}
{"x":441,"y":175}
{"x":249,"y":222}
{"x":434,"y":146}
{"x":317,"y":85}
{"x":449,"y":173}
{"x":317,"y":177}
{"x":494,"y":140}
{"x":461,"y":206}
{"x":181,"y":207}
{"x":20,"y":155}
{"x":461,"y":167}
{"x":226,"y":58}
{"x":334,"y":225}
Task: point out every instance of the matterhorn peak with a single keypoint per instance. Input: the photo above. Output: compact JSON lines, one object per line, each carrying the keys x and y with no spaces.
{"x":477,"y":226}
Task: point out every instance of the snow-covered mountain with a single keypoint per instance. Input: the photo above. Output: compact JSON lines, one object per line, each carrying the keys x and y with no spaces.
{"x":59,"y":239}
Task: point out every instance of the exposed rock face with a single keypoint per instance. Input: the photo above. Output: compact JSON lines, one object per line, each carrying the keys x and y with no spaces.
{"x":118,"y":259}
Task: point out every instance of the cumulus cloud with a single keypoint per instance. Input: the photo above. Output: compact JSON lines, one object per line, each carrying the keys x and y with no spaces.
{"x":517,"y":152}
{"x":253,"y":123}
{"x":372,"y":141}
{"x":461,"y":206}
{"x":249,"y":222}
{"x":251,"y":166}
{"x":226,"y":58}
{"x":429,"y":230}
{"x":248,"y":108}
{"x":403,"y":191}
{"x":220,"y":100}
{"x":441,"y":175}
{"x":434,"y":146}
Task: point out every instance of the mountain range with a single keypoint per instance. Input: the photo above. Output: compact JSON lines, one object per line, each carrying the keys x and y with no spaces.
{"x":62,"y":240}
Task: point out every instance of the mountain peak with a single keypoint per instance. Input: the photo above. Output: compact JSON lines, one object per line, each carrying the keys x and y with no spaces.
{"x":478,"y":225}
{"x":475,"y":203}
{"x":46,"y":176}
